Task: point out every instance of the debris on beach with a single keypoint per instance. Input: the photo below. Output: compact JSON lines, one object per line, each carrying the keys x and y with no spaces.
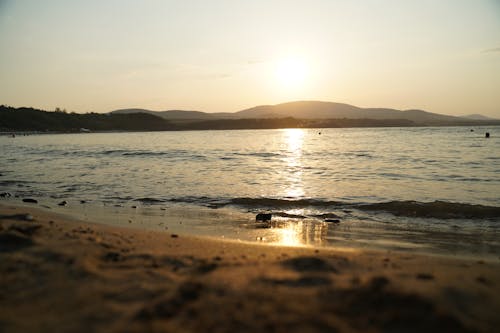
{"x":263,"y":217}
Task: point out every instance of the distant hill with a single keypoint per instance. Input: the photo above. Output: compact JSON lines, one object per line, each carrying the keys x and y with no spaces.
{"x":30,"y":119}
{"x":330,"y":110}
{"x":303,"y":114}
{"x":476,"y":116}
{"x":169,"y":114}
{"x":318,"y":110}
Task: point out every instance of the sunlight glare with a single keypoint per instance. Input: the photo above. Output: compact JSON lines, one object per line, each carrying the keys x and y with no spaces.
{"x":291,"y":72}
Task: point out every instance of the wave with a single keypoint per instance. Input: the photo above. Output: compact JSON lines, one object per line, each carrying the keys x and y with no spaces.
{"x":150,"y":200}
{"x":262,"y":154}
{"x":289,"y":203}
{"x":435,"y":209}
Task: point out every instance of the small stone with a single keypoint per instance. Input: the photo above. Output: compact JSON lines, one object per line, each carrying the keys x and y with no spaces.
{"x":62,"y":203}
{"x":263,"y":217}
{"x":332,"y":220}
{"x":82,"y":201}
{"x":5,"y":195}
{"x":174,"y":236}
{"x":30,"y":200}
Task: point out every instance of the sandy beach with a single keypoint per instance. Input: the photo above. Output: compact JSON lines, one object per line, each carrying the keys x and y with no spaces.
{"x":61,"y":275}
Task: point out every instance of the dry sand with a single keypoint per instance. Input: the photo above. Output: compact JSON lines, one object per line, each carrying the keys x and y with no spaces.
{"x":62,"y":275}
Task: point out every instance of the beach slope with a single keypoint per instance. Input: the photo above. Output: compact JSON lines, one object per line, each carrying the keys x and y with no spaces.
{"x":62,"y":275}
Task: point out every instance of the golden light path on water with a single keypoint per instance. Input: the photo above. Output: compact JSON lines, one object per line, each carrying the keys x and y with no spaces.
{"x":296,"y":233}
{"x":294,"y":139}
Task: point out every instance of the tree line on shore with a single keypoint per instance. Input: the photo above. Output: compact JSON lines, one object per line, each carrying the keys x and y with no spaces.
{"x":30,"y":119}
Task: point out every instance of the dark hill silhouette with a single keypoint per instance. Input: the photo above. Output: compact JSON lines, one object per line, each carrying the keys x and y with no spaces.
{"x":169,"y":114}
{"x":30,"y":119}
{"x":295,"y":114}
{"x":317,"y":110}
{"x":330,"y":110}
{"x":476,"y":116}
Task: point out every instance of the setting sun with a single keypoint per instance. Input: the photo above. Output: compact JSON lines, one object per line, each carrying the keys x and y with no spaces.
{"x":291,"y":72}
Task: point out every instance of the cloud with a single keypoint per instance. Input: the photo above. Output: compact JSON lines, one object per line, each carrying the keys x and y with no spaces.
{"x":494,"y":50}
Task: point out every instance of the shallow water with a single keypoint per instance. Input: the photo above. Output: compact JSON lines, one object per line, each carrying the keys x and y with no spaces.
{"x":396,"y":188}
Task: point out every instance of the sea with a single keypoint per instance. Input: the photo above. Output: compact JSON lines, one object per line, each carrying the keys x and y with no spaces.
{"x":419,"y":189}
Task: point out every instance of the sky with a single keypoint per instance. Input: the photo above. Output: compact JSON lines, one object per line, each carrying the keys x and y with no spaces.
{"x":227,"y":55}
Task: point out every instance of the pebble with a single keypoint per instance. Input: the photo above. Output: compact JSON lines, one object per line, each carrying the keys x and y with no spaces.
{"x":263,"y":217}
{"x":30,"y":200}
{"x":5,"y":195}
{"x":332,"y":220}
{"x":62,"y":203}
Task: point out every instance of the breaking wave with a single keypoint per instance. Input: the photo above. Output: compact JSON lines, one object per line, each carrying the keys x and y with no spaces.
{"x":435,"y":209}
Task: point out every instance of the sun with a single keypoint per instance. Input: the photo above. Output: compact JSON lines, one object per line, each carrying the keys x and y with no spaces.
{"x":291,"y":72}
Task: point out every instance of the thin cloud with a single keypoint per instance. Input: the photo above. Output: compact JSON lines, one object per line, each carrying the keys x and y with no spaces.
{"x":494,"y":50}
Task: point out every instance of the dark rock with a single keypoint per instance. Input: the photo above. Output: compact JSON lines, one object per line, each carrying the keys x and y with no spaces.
{"x":263,"y":217}
{"x":62,"y":203}
{"x":327,"y":216}
{"x":487,"y":135}
{"x":174,"y":236}
{"x":332,"y":220}
{"x":30,"y":200}
{"x":82,"y":201}
{"x":5,"y":195}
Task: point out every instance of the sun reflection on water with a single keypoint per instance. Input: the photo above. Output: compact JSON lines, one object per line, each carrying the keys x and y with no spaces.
{"x":294,"y":140}
{"x":299,"y":233}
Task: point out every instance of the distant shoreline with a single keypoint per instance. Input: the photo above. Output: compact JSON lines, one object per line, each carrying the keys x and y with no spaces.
{"x":31,"y":132}
{"x":34,"y":121}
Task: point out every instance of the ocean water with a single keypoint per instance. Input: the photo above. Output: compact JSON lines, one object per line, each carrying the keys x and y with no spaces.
{"x":413,"y":189}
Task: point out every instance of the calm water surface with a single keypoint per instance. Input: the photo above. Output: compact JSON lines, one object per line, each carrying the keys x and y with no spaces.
{"x":214,"y":182}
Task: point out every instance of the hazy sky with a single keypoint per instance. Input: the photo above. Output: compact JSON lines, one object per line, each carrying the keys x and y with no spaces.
{"x":226,"y":55}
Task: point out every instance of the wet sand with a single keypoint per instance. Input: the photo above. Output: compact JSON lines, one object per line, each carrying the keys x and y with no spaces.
{"x":62,"y":275}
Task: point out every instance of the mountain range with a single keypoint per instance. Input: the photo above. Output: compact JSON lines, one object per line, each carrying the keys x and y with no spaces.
{"x":318,"y":110}
{"x":302,"y":114}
